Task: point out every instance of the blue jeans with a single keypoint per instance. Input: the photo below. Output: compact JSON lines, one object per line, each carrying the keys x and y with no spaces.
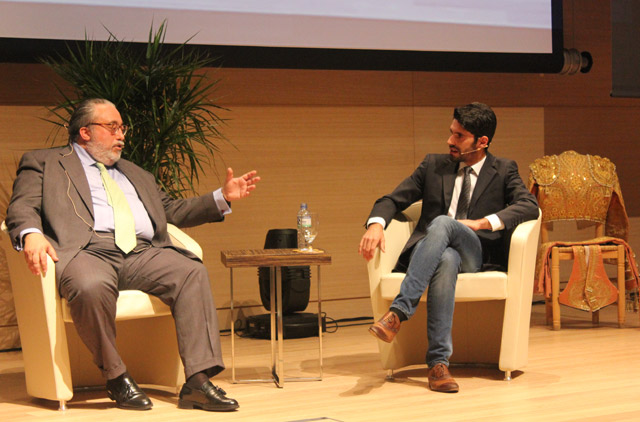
{"x":448,"y":248}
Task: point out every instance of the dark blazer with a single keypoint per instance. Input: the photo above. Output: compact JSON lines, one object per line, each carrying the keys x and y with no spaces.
{"x":499,"y":190}
{"x":51,"y":193}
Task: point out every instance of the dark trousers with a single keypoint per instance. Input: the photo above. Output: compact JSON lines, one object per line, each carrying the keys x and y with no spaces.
{"x":91,"y":283}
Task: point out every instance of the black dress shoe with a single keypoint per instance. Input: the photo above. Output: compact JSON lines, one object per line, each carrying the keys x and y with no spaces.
{"x":207,"y":397}
{"x":127,"y":394}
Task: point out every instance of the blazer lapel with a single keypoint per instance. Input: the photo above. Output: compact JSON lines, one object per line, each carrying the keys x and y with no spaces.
{"x":447,"y":171}
{"x":72,"y":166}
{"x":487,"y":173}
{"x":144,"y":192}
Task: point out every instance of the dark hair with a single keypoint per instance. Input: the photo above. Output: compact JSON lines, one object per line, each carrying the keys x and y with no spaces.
{"x":82,"y":116}
{"x":477,"y":118}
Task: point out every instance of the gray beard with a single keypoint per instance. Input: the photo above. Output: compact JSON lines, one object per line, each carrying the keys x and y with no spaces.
{"x":102,"y":155}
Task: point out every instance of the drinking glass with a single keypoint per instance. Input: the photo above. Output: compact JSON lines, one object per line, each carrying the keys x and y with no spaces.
{"x":311,"y":231}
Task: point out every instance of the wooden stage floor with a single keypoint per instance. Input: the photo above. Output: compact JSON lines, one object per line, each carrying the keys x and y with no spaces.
{"x":579,"y":373}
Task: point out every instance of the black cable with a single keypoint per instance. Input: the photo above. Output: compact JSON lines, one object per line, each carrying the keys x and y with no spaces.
{"x":329,"y":320}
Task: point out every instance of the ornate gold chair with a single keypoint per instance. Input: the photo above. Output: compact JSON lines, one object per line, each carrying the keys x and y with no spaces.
{"x":55,"y":359}
{"x":581,"y":188}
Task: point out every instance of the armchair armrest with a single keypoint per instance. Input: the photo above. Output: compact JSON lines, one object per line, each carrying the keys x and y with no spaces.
{"x":396,"y":235}
{"x":521,"y":273}
{"x":183,"y":240}
{"x":42,"y":331}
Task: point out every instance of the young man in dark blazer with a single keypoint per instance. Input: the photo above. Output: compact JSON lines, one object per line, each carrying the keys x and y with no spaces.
{"x":471,"y":202}
{"x":62,"y":207}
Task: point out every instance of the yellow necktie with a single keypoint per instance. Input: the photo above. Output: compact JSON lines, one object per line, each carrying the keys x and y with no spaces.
{"x":125,"y":228}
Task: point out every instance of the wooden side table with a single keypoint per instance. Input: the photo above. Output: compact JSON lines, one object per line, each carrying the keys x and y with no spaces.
{"x":275,"y":259}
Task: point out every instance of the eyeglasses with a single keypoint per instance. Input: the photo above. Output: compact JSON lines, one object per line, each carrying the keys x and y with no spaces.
{"x":112,"y":127}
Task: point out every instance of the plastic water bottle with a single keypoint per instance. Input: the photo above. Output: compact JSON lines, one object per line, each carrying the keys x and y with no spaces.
{"x":304,"y":221}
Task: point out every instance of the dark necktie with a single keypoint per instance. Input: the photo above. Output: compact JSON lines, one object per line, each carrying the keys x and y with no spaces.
{"x":463,"y":200}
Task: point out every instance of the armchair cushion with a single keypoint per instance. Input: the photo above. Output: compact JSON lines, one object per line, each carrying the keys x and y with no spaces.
{"x":488,"y":285}
{"x":132,"y":304}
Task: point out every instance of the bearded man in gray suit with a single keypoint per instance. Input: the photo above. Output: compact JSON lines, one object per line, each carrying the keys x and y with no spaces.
{"x":61,"y":207}
{"x":471,"y":202}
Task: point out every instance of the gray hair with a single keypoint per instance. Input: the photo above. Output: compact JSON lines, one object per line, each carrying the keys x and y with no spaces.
{"x":83,"y":115}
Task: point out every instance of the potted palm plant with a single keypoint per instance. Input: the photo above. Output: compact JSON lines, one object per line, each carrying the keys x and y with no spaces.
{"x":162,"y":93}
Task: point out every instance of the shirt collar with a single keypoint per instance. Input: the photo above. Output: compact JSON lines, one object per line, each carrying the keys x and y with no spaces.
{"x":85,"y":158}
{"x":476,"y":167}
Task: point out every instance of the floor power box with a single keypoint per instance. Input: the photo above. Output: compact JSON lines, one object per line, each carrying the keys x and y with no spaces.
{"x":295,"y":325}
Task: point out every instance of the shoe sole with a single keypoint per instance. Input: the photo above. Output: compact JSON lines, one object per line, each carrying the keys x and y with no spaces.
{"x":121,"y":406}
{"x":380,"y":335}
{"x":443,"y":390}
{"x":184,"y":404}
{"x":133,"y":408}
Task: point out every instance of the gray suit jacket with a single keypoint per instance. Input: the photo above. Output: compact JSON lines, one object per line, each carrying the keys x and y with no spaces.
{"x":499,"y":190}
{"x":51,"y":193}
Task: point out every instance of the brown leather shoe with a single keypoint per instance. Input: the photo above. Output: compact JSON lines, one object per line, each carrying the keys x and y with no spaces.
{"x":387,"y":327}
{"x":440,"y":379}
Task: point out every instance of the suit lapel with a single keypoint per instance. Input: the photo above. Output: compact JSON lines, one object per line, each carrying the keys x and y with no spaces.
{"x":72,"y":166}
{"x":487,"y":173}
{"x":144,"y":192}
{"x":447,"y":171}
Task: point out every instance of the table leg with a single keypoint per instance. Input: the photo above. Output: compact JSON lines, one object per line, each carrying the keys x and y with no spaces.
{"x":319,"y":323}
{"x":272,"y":315}
{"x":233,"y":345}
{"x":280,"y":380}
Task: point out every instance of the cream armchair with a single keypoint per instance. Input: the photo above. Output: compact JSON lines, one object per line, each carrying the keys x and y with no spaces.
{"x":493,"y":308}
{"x":55,"y":359}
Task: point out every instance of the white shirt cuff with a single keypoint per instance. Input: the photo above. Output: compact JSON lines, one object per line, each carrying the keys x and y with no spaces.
{"x":496,"y":223}
{"x":376,"y":220}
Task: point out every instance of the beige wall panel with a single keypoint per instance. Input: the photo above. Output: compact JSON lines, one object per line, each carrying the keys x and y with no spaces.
{"x":431,"y":131}
{"x":34,"y":84}
{"x":313,"y":87}
{"x":520,"y":136}
{"x":606,"y":131}
{"x":21,"y":129}
{"x":27,"y":84}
